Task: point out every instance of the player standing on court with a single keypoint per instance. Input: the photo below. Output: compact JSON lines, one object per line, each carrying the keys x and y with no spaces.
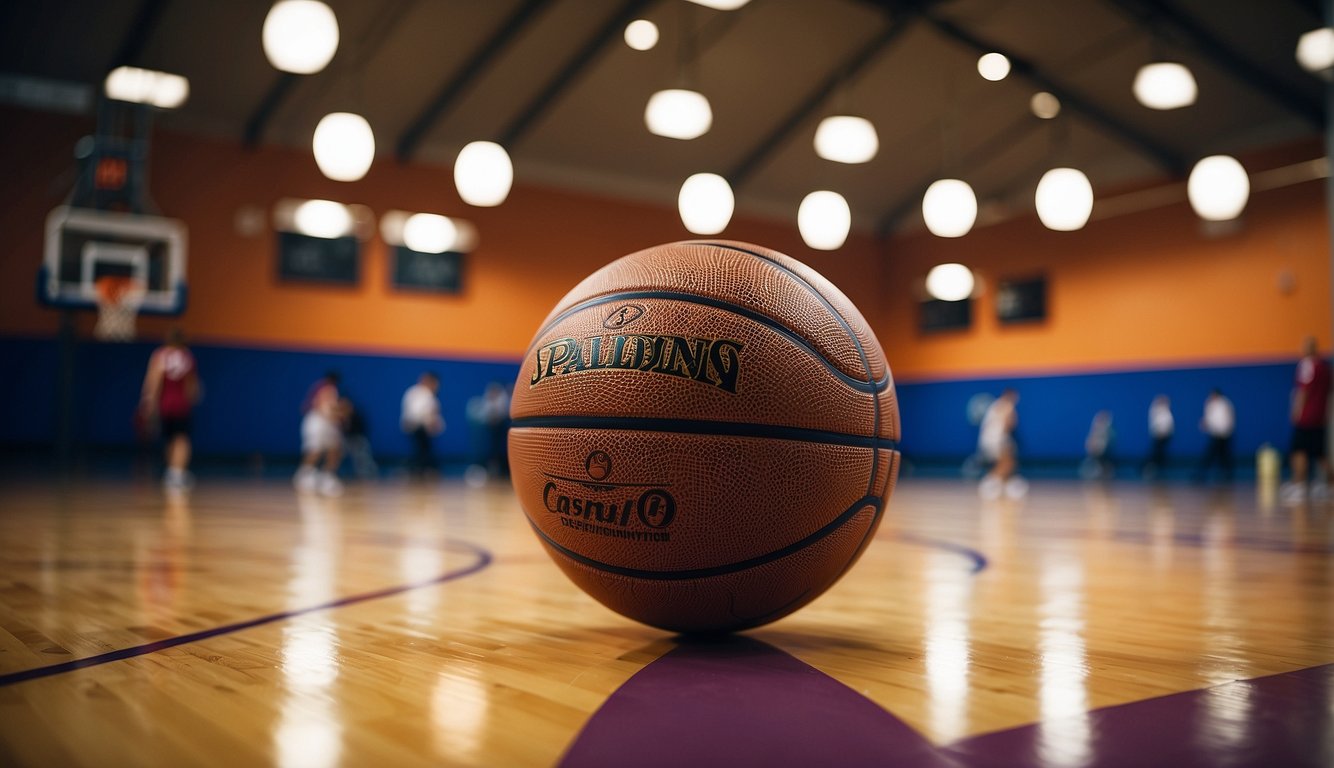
{"x":171,"y":388}
{"x":321,"y":438}
{"x":1218,"y":423}
{"x":1310,"y":414}
{"x":421,"y":420}
{"x":996,"y":444}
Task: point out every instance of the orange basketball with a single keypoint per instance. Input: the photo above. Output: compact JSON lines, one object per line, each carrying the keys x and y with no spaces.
{"x":704,"y":435}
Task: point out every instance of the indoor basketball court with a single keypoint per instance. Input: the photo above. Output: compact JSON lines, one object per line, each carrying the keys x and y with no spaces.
{"x":666,"y":382}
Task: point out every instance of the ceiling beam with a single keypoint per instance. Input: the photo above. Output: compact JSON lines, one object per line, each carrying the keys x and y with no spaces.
{"x":538,"y":105}
{"x":781,"y":133}
{"x":1154,"y":14}
{"x":448,"y":96}
{"x":263,"y":112}
{"x":141,"y":29}
{"x":1165,"y":157}
{"x":992,"y":148}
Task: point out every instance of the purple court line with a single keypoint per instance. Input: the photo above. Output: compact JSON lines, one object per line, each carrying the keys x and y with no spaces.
{"x":979,"y":560}
{"x":484,"y":558}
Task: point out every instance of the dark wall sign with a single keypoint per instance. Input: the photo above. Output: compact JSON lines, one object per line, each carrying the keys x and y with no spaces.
{"x":429,"y":272}
{"x":318,"y":259}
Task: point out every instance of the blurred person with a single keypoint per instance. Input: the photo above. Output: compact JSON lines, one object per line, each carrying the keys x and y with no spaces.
{"x":1310,"y":419}
{"x":1218,"y":423}
{"x":321,"y":438}
{"x":1098,"y":462}
{"x":356,"y":437}
{"x":421,"y":420}
{"x":496,"y":417}
{"x":170,"y":391}
{"x":996,"y":444}
{"x":1161,"y":427}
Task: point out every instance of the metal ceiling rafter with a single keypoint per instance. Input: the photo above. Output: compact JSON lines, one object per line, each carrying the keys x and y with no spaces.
{"x":846,"y":70}
{"x":141,"y":29}
{"x":610,"y":29}
{"x":1162,"y":155}
{"x":449,"y":94}
{"x":1153,"y":13}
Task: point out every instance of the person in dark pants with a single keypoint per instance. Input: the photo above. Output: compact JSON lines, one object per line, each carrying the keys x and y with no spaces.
{"x":1161,"y":427}
{"x":421,"y":420}
{"x":1218,"y":423}
{"x":1310,"y":415}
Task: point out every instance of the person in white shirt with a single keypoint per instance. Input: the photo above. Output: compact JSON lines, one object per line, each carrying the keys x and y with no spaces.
{"x":1218,"y":423}
{"x":421,"y":420}
{"x":995,"y":443}
{"x":1161,"y":427}
{"x":321,"y":438}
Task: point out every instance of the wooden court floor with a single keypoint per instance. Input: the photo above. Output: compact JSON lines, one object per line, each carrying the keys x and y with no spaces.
{"x":422,"y":625}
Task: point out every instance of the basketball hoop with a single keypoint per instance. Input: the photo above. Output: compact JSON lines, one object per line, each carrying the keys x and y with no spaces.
{"x":118,"y":302}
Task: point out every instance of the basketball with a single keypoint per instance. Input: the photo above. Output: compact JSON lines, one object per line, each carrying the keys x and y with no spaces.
{"x":704,"y":435}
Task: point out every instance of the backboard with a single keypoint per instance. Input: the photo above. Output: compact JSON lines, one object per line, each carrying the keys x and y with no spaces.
{"x":83,"y":244}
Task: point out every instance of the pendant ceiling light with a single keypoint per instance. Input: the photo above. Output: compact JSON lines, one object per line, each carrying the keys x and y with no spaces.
{"x":1218,"y":188}
{"x":322,"y":218}
{"x":846,"y":139}
{"x":993,"y":66}
{"x":147,"y":86}
{"x":678,"y":113}
{"x":430,"y":233}
{"x":705,"y":203}
{"x":641,"y":34}
{"x":483,"y":174}
{"x":1064,"y":199}
{"x":824,"y":220}
{"x":950,"y":282}
{"x":344,"y":146}
{"x":1165,"y":85}
{"x":1315,"y":51}
{"x":949,"y":208}
{"x":300,"y":36}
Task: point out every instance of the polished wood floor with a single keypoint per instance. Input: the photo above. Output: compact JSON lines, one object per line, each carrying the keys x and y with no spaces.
{"x":245,"y":624}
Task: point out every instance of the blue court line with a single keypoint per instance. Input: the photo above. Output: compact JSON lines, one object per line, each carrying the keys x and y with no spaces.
{"x":979,"y":560}
{"x":484,"y":559}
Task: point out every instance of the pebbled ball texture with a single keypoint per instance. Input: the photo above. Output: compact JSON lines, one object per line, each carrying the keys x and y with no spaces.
{"x":704,"y":435}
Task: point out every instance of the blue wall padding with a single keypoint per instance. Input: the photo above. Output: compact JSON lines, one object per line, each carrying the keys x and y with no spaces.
{"x":252,"y":400}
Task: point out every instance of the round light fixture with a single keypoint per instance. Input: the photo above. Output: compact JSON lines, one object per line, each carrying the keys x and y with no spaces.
{"x":824,"y":220}
{"x":950,"y":282}
{"x":322,"y":218}
{"x":1165,"y":85}
{"x":300,"y":36}
{"x":1045,"y":105}
{"x":483,"y":174}
{"x":641,"y":34}
{"x":949,"y":208}
{"x":1315,"y":50}
{"x":846,"y":139}
{"x":1064,"y":199}
{"x":678,"y":114}
{"x":430,"y":233}
{"x":705,"y":203}
{"x":993,"y":66}
{"x":1218,"y":188}
{"x":344,"y":146}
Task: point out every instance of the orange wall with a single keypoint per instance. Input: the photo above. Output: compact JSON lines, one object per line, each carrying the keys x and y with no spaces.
{"x":533,"y":248}
{"x":1146,"y":290}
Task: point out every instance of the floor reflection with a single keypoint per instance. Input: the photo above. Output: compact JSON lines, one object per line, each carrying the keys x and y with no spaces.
{"x":1062,"y":695}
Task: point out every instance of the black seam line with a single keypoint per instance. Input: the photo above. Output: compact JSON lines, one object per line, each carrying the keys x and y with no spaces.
{"x":866,"y":362}
{"x":720,"y":570}
{"x":857,"y":384}
{"x":699,"y":427}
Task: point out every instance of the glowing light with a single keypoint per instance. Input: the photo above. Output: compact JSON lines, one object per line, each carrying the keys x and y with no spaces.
{"x":950,"y":282}
{"x":1218,"y":188}
{"x":678,"y":114}
{"x":323,"y":218}
{"x":300,"y":36}
{"x":993,"y":66}
{"x":846,"y":139}
{"x":1045,"y":105}
{"x":824,"y":220}
{"x":1064,"y":199}
{"x":483,"y":174}
{"x":1315,"y":50}
{"x":641,"y":34}
{"x":949,"y":208}
{"x":1165,"y":85}
{"x":344,"y":146}
{"x":706,"y":203}
{"x":429,"y":233}
{"x":721,"y":5}
{"x":147,"y":86}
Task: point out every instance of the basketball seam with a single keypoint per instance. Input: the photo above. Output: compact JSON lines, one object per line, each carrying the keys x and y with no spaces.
{"x":702,"y":427}
{"x":874,"y":387}
{"x":719,"y":570}
{"x":861,"y":351}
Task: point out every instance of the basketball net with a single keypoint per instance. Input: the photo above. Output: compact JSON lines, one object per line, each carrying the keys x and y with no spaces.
{"x":118,"y":302}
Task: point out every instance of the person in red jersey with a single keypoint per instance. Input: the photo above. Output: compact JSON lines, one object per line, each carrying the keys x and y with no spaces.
{"x":1310,"y":415}
{"x":171,"y":388}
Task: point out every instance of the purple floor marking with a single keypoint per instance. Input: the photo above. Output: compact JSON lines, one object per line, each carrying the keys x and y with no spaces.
{"x":979,"y":559}
{"x":741,"y":702}
{"x":484,"y":559}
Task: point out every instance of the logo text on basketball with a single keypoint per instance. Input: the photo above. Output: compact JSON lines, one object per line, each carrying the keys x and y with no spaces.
{"x":709,"y":361}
